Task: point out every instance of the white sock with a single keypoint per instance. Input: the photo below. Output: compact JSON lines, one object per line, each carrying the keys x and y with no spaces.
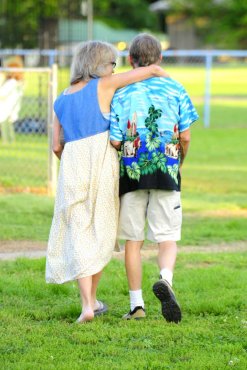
{"x":136,"y":299}
{"x":167,"y":275}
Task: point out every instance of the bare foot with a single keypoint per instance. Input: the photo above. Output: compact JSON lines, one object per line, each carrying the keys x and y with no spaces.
{"x":85,"y":316}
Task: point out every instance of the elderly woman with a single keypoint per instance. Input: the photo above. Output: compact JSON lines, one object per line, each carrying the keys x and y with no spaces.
{"x":84,"y":226}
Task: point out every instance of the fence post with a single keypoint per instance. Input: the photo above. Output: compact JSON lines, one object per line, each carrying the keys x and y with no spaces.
{"x":208,"y":65}
{"x":52,"y":159}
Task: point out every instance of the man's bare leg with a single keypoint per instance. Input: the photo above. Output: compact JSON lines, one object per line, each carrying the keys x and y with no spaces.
{"x":133,"y":265}
{"x":162,"y":289}
{"x":167,"y":258}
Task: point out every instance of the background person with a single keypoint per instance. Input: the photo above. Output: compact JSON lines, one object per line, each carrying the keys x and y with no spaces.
{"x":150,"y":122}
{"x":84,"y":226}
{"x":11,"y":92}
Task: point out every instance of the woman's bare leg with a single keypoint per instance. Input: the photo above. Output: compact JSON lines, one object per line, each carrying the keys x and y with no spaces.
{"x":95,"y":282}
{"x":85,"y":286}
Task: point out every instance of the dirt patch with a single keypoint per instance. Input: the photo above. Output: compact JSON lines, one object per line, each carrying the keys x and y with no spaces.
{"x":223,"y":213}
{"x":11,"y":246}
{"x":13,"y":249}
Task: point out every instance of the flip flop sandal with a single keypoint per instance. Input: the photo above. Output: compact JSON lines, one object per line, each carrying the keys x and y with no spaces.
{"x":101,"y":310}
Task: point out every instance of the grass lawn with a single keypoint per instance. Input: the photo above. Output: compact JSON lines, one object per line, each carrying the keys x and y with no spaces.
{"x":38,"y":329}
{"x":226,"y":80}
{"x":24,"y":163}
{"x":37,"y":320}
{"x":214,"y":190}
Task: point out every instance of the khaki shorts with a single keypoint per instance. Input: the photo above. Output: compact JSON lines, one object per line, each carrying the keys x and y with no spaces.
{"x":162,"y":209}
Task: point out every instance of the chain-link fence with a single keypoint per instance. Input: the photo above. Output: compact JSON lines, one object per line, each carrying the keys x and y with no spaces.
{"x":215,"y":80}
{"x":26,"y":161}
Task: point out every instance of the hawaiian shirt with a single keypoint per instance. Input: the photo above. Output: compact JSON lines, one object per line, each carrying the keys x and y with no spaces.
{"x":147,"y":118}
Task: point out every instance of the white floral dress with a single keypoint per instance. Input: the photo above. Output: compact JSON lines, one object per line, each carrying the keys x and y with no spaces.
{"x":84,"y":226}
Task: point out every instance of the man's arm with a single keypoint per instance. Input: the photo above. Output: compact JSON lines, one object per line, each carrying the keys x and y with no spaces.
{"x":116,"y":144}
{"x":184,"y":141}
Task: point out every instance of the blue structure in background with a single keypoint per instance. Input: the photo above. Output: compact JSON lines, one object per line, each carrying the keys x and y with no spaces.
{"x":205,"y":55}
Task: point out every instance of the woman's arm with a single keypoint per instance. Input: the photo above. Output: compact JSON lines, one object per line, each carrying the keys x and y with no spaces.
{"x":109,"y":84}
{"x":57,"y":147}
{"x":119,"y":80}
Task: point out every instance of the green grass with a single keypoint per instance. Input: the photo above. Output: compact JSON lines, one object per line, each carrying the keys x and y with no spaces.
{"x":225,"y":80}
{"x":24,"y":163}
{"x":38,"y":329}
{"x":25,"y":217}
{"x":28,"y":217}
{"x":214,"y":174}
{"x":213,"y":191}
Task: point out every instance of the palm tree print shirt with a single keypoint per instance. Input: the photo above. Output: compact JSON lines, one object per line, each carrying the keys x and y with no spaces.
{"x":147,"y":118}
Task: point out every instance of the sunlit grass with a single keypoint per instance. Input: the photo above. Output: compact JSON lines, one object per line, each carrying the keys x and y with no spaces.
{"x":38,"y":329}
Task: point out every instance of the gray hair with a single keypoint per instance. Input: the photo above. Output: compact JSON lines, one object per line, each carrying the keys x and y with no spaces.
{"x":145,"y":50}
{"x":90,"y":60}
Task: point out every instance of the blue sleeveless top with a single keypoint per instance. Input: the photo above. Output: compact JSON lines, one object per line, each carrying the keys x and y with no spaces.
{"x":79,"y":113}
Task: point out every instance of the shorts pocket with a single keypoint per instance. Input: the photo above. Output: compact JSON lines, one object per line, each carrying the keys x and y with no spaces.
{"x":176,"y":212}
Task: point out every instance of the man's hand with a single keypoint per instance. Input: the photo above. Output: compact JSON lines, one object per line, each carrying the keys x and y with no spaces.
{"x":116,"y":144}
{"x":159,"y":72}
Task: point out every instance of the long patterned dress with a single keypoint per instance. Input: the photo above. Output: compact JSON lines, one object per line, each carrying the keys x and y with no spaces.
{"x":84,"y":226}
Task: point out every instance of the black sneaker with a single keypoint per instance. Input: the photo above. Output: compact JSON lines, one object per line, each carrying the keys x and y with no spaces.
{"x":169,"y":306}
{"x":137,"y":314}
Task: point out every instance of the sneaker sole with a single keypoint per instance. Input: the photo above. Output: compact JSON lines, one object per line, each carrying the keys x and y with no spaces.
{"x":169,"y":306}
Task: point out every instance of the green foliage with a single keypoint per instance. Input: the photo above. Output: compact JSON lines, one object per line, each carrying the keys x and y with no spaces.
{"x":147,"y":166}
{"x":152,"y":142}
{"x":39,"y":329}
{"x":159,"y":160}
{"x":122,"y":168}
{"x":222,"y":23}
{"x":133,"y":171}
{"x":23,"y":22}
{"x":129,"y":13}
{"x":219,"y":23}
{"x":150,"y":121}
{"x":173,"y":172}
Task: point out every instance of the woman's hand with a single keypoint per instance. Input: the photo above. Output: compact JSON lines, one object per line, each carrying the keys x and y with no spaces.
{"x":57,"y":146}
{"x":159,"y":71}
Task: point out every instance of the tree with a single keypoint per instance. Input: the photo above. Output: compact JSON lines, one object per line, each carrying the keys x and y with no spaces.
{"x":22,"y":23}
{"x":220,"y":23}
{"x":133,"y":14}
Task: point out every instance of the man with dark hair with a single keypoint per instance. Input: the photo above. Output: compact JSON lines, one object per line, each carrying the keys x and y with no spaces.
{"x":150,"y":125}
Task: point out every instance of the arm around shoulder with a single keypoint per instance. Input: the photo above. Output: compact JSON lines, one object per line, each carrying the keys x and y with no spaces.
{"x":116,"y":81}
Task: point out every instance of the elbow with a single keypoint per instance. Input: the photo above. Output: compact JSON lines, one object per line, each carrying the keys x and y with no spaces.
{"x":56,"y":149}
{"x":185,"y":140}
{"x":184,"y":137}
